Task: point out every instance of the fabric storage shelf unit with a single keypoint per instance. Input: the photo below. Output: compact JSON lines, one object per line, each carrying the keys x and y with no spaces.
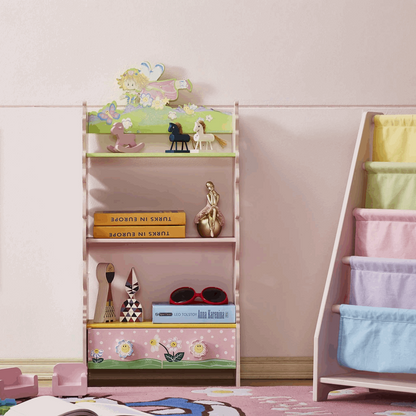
{"x":329,"y":374}
{"x":389,"y":233}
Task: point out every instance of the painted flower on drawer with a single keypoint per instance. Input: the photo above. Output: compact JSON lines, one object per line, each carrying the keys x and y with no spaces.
{"x":96,"y":355}
{"x":198,"y":348}
{"x":154,"y":343}
{"x":124,"y":349}
{"x":173,"y":345}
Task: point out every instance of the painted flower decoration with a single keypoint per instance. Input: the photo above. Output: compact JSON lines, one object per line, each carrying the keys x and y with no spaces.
{"x":226,"y":392}
{"x":124,"y":349}
{"x":154,"y":343}
{"x":172,"y":115}
{"x":146,"y":100}
{"x":198,"y":348}
{"x":96,"y":353}
{"x":208,"y":117}
{"x":174,"y":345}
{"x":127,"y":123}
{"x":158,"y":103}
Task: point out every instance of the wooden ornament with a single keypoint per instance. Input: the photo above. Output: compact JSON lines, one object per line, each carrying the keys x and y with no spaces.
{"x":126,"y":142}
{"x":177,"y":136}
{"x":210,"y":220}
{"x":131,"y":310}
{"x":104,"y":308}
{"x":201,"y":137}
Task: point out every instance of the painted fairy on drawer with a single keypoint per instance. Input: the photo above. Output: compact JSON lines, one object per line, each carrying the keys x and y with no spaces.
{"x":142,"y":86}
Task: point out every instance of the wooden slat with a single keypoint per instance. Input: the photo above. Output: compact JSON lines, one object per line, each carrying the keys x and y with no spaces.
{"x":160,"y":155}
{"x":378,"y":381}
{"x":223,"y":240}
{"x":149,"y":324}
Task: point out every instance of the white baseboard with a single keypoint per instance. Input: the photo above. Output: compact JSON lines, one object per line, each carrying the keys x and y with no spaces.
{"x":260,"y":368}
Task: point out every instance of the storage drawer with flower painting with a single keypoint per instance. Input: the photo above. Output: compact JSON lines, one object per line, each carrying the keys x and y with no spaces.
{"x":148,"y":346}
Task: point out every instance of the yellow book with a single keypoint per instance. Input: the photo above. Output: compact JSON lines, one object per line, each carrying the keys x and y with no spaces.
{"x":117,"y":218}
{"x":140,"y":231}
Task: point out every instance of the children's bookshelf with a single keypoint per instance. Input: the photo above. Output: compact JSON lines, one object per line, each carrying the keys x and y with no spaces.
{"x":154,"y":180}
{"x":329,"y":374}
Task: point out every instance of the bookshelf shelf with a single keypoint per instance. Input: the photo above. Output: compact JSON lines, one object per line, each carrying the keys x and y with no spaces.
{"x":149,"y":324}
{"x":378,"y":381}
{"x":215,"y":241}
{"x":161,"y":182}
{"x":159,"y":155}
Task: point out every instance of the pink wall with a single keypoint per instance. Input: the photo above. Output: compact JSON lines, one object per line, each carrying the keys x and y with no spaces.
{"x":303,"y":72}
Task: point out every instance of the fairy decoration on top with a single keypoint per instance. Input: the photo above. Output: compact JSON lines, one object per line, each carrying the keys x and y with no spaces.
{"x":142,"y":86}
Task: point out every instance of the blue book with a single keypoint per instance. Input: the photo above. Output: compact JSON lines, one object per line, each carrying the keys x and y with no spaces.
{"x":200,"y":313}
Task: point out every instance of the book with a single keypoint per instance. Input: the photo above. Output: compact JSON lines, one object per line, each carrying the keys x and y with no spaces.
{"x":52,"y":406}
{"x":195,"y":313}
{"x":140,"y":218}
{"x":139,"y":231}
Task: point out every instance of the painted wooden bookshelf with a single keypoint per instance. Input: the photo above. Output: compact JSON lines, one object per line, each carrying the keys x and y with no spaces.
{"x":155,"y":180}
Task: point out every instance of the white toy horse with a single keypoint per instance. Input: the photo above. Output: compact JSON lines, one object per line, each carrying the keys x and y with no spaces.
{"x":200,"y":136}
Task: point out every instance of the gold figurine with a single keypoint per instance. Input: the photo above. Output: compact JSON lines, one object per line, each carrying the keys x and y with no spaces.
{"x":209,"y":221}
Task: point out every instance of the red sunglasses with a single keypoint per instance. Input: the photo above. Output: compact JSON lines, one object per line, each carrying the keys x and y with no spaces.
{"x":186,"y":295}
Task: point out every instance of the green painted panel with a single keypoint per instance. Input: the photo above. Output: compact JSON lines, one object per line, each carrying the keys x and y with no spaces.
{"x":151,"y":121}
{"x":204,"y":364}
{"x":149,"y":363}
{"x":144,"y":363}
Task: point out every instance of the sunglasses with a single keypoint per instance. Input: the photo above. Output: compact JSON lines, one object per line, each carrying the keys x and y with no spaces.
{"x":186,"y":295}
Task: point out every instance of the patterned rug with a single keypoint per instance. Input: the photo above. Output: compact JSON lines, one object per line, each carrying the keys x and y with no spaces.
{"x":249,"y":401}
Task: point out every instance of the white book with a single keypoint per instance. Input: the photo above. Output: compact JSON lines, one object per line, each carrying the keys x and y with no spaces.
{"x":52,"y":406}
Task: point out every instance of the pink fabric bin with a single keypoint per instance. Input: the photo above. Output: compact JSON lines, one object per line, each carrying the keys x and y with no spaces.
{"x":389,"y":233}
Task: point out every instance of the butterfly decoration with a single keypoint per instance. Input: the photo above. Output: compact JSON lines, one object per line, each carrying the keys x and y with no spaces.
{"x":109,"y":115}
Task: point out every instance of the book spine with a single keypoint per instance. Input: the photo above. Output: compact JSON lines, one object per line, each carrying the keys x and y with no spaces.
{"x":144,"y":231}
{"x":176,"y":314}
{"x":139,"y":218}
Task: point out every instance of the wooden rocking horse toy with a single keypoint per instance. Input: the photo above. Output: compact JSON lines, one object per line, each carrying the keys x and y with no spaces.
{"x":126,"y":143}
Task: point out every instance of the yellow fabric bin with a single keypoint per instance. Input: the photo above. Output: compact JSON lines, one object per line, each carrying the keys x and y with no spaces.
{"x":394,"y":138}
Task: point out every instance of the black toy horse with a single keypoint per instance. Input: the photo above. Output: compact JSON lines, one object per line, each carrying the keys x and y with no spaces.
{"x":177,"y":136}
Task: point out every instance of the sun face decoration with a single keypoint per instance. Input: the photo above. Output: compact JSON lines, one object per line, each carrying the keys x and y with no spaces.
{"x":198,"y":348}
{"x":124,"y":349}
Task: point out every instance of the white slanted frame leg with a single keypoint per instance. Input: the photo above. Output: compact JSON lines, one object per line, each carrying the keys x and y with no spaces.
{"x":336,"y":288}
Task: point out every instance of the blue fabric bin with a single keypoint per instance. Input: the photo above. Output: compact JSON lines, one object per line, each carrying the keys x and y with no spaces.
{"x":377,"y":339}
